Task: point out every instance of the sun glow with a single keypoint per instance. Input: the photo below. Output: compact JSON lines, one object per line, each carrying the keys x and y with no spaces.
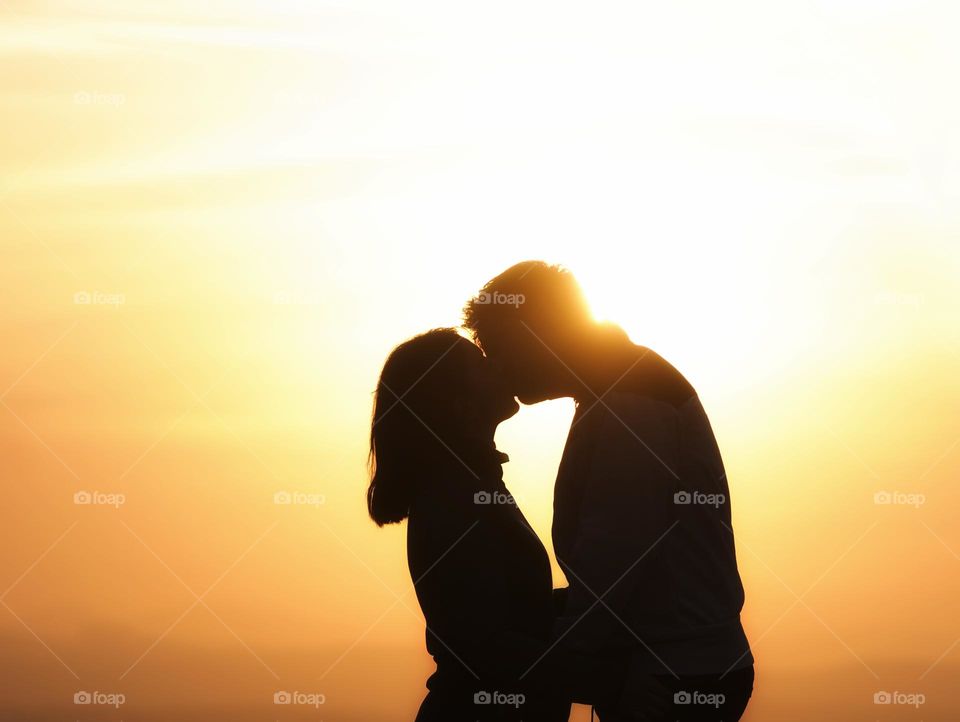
{"x":765,"y":193}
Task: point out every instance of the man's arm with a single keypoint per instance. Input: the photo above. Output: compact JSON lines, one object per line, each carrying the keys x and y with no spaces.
{"x":624,"y":517}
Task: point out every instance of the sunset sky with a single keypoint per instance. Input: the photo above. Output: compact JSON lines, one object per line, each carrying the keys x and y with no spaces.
{"x":218,"y":218}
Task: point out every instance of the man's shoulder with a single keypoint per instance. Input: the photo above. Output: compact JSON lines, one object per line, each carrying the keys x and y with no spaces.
{"x":630,"y":404}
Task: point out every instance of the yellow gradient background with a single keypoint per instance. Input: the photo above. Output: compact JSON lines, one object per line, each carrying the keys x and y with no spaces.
{"x":261,"y":198}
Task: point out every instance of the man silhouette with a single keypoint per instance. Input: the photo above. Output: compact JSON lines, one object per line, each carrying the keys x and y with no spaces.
{"x":641,"y":522}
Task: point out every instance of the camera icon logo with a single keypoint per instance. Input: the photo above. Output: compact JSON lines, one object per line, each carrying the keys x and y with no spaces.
{"x":682,"y":698}
{"x":482,"y":497}
{"x":882,"y":698}
{"x":282,"y":698}
{"x":282,"y":497}
{"x":83,"y":497}
{"x":82,"y":698}
{"x":82,"y":298}
{"x":883,"y":497}
{"x":682,"y":497}
{"x":482,"y":698}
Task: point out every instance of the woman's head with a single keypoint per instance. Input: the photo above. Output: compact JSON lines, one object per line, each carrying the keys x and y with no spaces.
{"x":437,"y":394}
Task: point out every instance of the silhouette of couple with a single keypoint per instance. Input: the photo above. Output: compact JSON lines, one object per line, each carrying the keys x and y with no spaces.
{"x":649,"y":626}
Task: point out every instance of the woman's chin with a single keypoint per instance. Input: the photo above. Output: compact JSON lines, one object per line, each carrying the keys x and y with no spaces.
{"x":510,"y":409}
{"x":529,"y":399}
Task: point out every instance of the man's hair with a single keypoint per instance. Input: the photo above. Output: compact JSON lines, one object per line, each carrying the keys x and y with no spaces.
{"x":536,"y":293}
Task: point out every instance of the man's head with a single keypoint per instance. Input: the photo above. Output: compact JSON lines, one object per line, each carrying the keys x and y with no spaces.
{"x":530,"y":320}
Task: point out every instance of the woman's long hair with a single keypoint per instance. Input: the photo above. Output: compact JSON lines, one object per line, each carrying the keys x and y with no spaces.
{"x":418,"y":410}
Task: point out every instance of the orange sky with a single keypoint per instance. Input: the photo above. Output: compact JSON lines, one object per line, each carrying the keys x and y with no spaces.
{"x":259,"y":199}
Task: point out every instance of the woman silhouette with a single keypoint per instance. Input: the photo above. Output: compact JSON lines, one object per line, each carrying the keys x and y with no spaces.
{"x":481,"y":574}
